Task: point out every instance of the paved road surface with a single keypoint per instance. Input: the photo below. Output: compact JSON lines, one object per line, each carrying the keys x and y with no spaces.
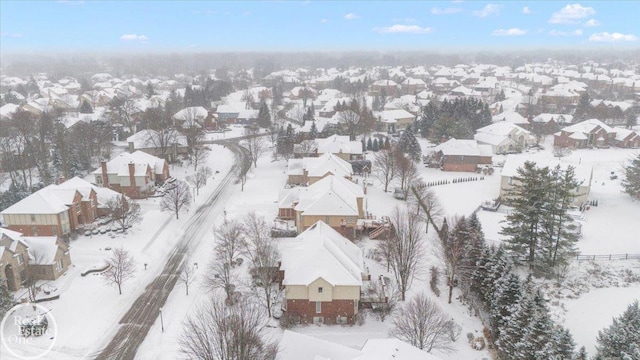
{"x":135,"y":324}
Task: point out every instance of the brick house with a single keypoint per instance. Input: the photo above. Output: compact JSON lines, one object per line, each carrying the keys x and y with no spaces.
{"x":390,"y":87}
{"x":394,"y":120}
{"x":322,"y":276}
{"x":307,"y":171}
{"x":340,"y":146}
{"x":504,"y":137}
{"x":548,"y":123}
{"x":462,"y":155}
{"x":149,"y":141}
{"x":133,"y":174}
{"x":51,"y":211}
{"x":336,"y":201}
{"x":47,"y":258}
{"x":626,"y":138}
{"x":588,"y":133}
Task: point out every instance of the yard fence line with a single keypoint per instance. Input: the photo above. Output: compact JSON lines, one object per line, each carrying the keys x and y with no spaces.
{"x":609,"y":257}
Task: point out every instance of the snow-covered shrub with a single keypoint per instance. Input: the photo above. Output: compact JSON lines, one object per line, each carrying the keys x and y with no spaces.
{"x":478,"y":343}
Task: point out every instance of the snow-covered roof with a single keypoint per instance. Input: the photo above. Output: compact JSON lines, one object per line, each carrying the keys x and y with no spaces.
{"x":622,"y":133}
{"x":501,"y":128}
{"x":331,"y":195}
{"x":394,"y":115}
{"x":511,"y":117}
{"x":42,"y":249}
{"x":191,"y":113}
{"x":321,"y":252}
{"x":512,"y":163}
{"x":336,"y":144}
{"x":8,"y":109}
{"x":143,"y":139}
{"x":558,"y":118}
{"x":587,"y":126}
{"x":463,"y":147}
{"x":392,"y":349}
{"x":120,"y":164}
{"x":40,"y":202}
{"x":103,"y":194}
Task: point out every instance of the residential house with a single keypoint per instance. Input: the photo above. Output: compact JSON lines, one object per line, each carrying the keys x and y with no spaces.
{"x":194,"y":116}
{"x":298,"y":346}
{"x":133,"y":174}
{"x":168,"y":144}
{"x":322,"y":276}
{"x":509,"y":176}
{"x":394,"y":120}
{"x":504,"y":137}
{"x":51,"y":211}
{"x":335,"y":200}
{"x":412,"y":86}
{"x":228,"y":114}
{"x":588,"y":133}
{"x":626,"y":138}
{"x":462,"y":155}
{"x":390,"y":87}
{"x":548,"y":123}
{"x":512,"y":117}
{"x":307,"y":171}
{"x":45,"y":258}
{"x":341,"y":146}
{"x":91,"y":194}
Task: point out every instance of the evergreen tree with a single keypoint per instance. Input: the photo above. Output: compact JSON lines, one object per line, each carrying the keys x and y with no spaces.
{"x":369,"y":145}
{"x":86,"y":108}
{"x":583,"y":109}
{"x":621,"y":340}
{"x":313,"y":133}
{"x":387,"y":144}
{"x":500,"y":96}
{"x":631,"y":178}
{"x":507,"y":295}
{"x":564,"y":343}
{"x":6,"y":300}
{"x":189,"y":96}
{"x":538,"y":342}
{"x":409,"y":145}
{"x":558,"y":243}
{"x":264,"y":116}
{"x":527,"y":197}
{"x":375,"y":146}
{"x":582,"y":354}
{"x":150,"y":90}
{"x":632,"y":120}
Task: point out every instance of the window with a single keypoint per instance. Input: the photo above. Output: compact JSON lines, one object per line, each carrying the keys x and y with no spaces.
{"x":33,"y":218}
{"x":355,"y":306}
{"x":320,"y":290}
{"x":99,"y":180}
{"x":59,"y":265}
{"x":318,"y":307}
{"x":20,"y":259}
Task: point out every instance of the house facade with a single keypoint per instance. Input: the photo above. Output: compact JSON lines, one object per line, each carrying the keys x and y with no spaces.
{"x":504,"y":137}
{"x":589,"y":133}
{"x":307,"y":171}
{"x":133,"y":174}
{"x":52,"y":211}
{"x":322,"y":276}
{"x":44,"y":258}
{"x":462,"y":155}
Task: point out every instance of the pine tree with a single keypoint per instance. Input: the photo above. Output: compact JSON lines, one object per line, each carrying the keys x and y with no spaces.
{"x":409,"y":144}
{"x":507,"y":294}
{"x":527,"y":197}
{"x":631,"y":178}
{"x":632,"y":120}
{"x":538,"y":342}
{"x":264,"y":116}
{"x":6,"y":300}
{"x":564,"y":343}
{"x":374,"y":145}
{"x":369,"y":145}
{"x":387,"y":144}
{"x":621,"y":340}
{"x":313,"y":133}
{"x":558,"y":243}
{"x":86,"y":108}
{"x":500,"y":96}
{"x":582,"y":354}
{"x":150,"y":90}
{"x":189,"y":96}
{"x":583,"y":109}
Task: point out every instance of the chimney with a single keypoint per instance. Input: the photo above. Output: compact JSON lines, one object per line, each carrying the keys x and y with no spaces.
{"x":105,"y":178}
{"x":61,"y":179}
{"x":132,"y":173}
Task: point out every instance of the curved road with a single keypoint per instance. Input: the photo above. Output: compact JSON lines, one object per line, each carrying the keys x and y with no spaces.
{"x":137,"y":321}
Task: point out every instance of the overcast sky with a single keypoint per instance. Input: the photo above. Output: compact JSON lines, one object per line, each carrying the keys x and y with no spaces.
{"x":42,"y":26}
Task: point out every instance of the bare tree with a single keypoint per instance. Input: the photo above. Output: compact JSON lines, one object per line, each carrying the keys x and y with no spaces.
{"x":176,"y":198}
{"x":261,"y":250}
{"x":218,"y":332}
{"x":385,"y":296}
{"x":405,"y":247}
{"x":255,"y":144}
{"x":426,"y":199}
{"x":161,"y":134}
{"x":187,"y":276}
{"x":424,"y":325}
{"x":384,"y":163}
{"x":220,"y":276}
{"x":124,"y":211}
{"x":204,"y":172}
{"x":121,"y":110}
{"x":199,"y":154}
{"x":197,"y":181}
{"x":121,"y":268}
{"x":406,"y":171}
{"x":229,"y":240}
{"x":351,"y":120}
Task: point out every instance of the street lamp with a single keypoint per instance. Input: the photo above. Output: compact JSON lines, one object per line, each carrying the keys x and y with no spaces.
{"x":161,"y":321}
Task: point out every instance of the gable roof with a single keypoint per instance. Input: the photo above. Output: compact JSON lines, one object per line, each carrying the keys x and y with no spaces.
{"x":296,"y":346}
{"x":120,"y":164}
{"x":512,"y":163}
{"x":463,"y":147}
{"x":336,"y":144}
{"x":39,"y":202}
{"x":587,"y":127}
{"x":321,"y":252}
{"x":103,"y":194}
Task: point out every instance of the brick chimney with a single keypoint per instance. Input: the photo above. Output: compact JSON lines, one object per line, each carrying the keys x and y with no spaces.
{"x":61,"y":179}
{"x":105,"y":178}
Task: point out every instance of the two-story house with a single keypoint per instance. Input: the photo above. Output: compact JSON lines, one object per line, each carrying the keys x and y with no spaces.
{"x":307,"y":171}
{"x":322,"y":276}
{"x":133,"y":174}
{"x":588,"y":133}
{"x":504,"y":137}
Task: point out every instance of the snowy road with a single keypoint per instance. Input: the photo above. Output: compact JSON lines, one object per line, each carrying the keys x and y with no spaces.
{"x":137,"y":321}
